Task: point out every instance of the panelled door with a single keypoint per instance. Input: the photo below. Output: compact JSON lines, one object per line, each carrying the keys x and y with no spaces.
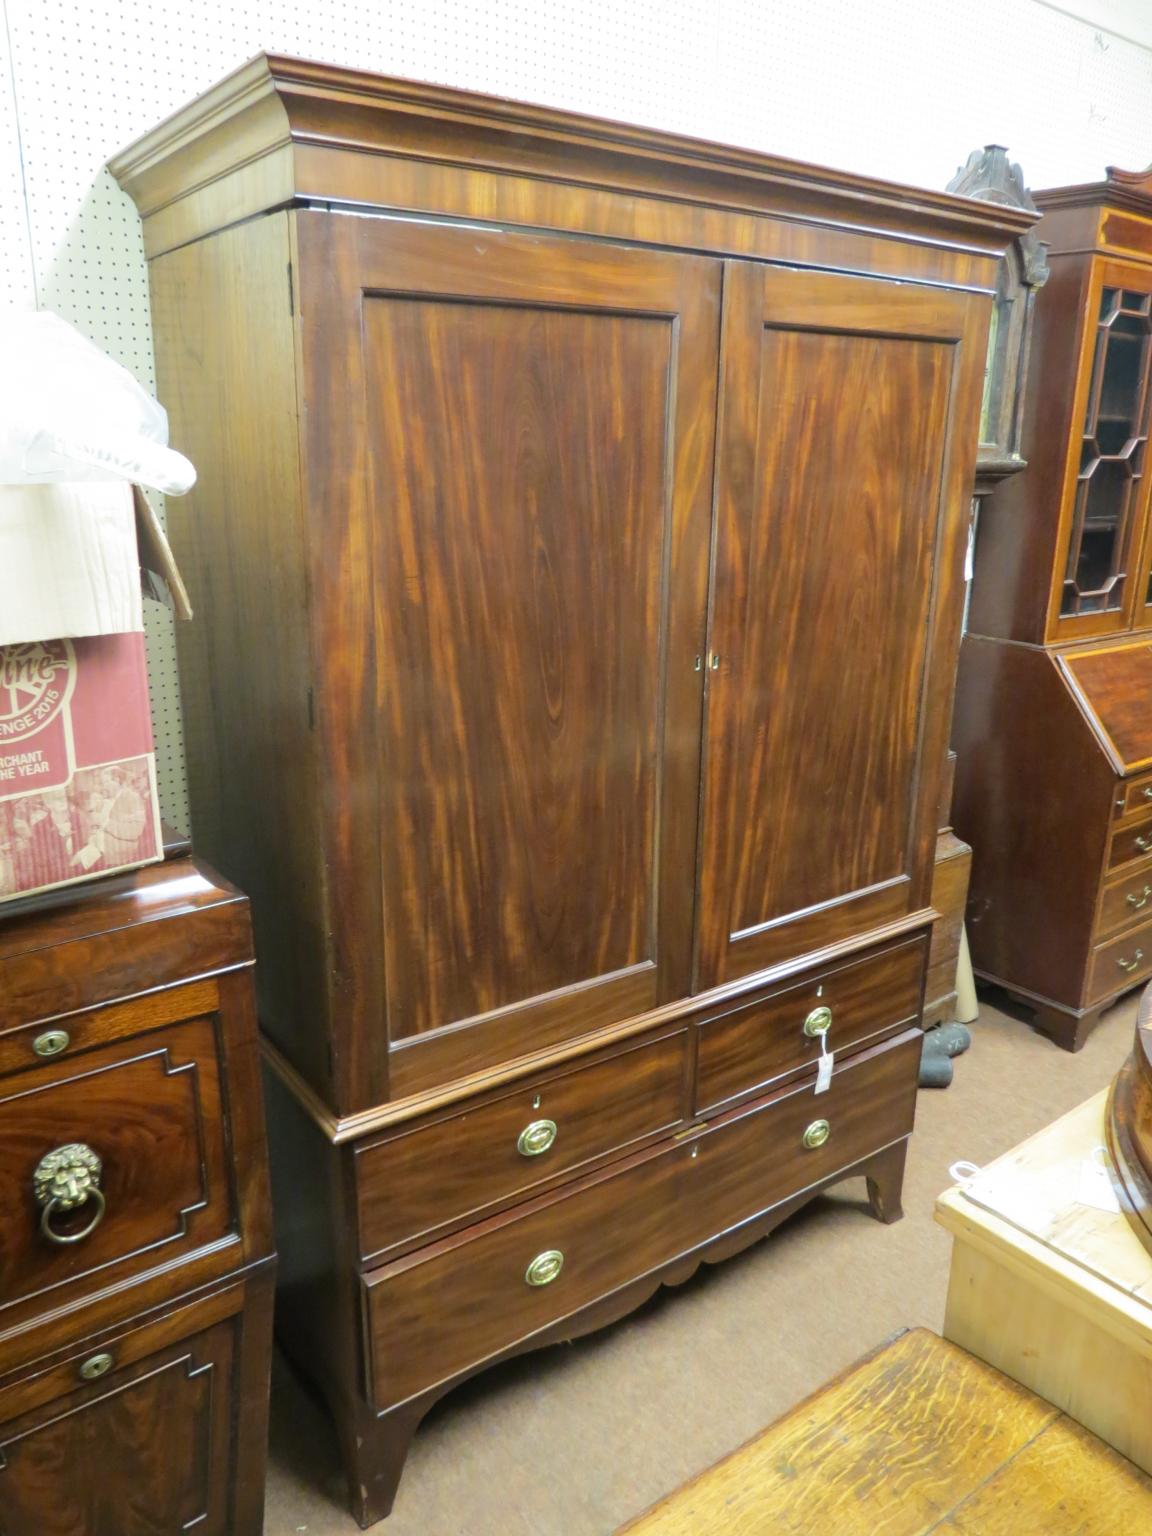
{"x":539,"y":418}
{"x":848,"y":425}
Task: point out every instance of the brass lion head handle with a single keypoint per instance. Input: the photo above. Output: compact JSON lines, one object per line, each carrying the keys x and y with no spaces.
{"x":65,"y":1179}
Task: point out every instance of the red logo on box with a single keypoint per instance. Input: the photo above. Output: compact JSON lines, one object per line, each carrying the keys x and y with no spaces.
{"x":36,"y":682}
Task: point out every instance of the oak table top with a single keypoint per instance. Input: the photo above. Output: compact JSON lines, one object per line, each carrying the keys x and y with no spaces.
{"x":918,"y":1437}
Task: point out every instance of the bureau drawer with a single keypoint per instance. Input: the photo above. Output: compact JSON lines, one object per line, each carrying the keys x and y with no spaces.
{"x":1121,"y":962}
{"x":421,"y":1181}
{"x":447,"y":1308}
{"x":149,"y":1112}
{"x":750,"y":1044}
{"x":1130,"y":843}
{"x":1124,"y":902}
{"x":1134,"y":795}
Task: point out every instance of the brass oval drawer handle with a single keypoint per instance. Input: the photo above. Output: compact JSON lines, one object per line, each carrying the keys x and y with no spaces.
{"x":1147,"y":791}
{"x":1139,"y":901}
{"x":818,"y":1022}
{"x":1130,"y":965}
{"x":51,"y":1042}
{"x":544,"y":1267}
{"x":1143,"y":843}
{"x":817,"y":1134}
{"x":65,"y":1179}
{"x":536,"y":1138}
{"x":95,"y":1367}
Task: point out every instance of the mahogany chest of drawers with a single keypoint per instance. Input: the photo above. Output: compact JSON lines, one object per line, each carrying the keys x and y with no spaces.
{"x":578,"y":562}
{"x":136,"y":1254}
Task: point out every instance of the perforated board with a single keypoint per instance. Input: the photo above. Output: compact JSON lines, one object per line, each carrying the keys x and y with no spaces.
{"x":898,"y":88}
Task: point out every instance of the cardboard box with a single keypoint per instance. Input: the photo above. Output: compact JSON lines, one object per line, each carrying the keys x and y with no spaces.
{"x":77,"y":769}
{"x":77,"y":766}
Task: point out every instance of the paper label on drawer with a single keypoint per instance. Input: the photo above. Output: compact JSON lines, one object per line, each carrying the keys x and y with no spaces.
{"x":824,"y":1072}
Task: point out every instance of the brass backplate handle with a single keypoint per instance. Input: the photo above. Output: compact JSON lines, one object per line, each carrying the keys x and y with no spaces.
{"x":1147,"y":791}
{"x":1141,"y":900}
{"x":818,"y":1022}
{"x":1130,"y":965}
{"x":544,"y":1267}
{"x":65,"y":1179}
{"x":536,"y":1138}
{"x":1143,"y":843}
{"x":817,"y":1134}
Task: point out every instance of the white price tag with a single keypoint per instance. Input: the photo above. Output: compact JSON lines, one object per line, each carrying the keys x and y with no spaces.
{"x":824,"y":1069}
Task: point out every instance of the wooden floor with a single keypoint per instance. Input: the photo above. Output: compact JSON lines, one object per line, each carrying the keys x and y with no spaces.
{"x":919,"y":1437}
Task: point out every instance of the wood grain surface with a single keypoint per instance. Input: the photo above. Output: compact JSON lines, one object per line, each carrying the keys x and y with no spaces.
{"x":920,"y":1437}
{"x":832,"y":616}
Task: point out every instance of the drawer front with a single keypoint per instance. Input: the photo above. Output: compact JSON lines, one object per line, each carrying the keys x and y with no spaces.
{"x":64,"y":1038}
{"x":754,"y":1043}
{"x":1131,"y":843}
{"x":1125,"y":902}
{"x":449,"y":1307}
{"x":127,"y":1436}
{"x":430,"y":1178}
{"x":1121,"y":962}
{"x":1134,"y":795}
{"x":151,"y":1112}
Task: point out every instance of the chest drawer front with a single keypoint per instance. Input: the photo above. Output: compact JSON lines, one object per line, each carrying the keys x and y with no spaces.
{"x":755,"y":1043}
{"x":1124,"y":902}
{"x":426,"y":1180}
{"x":1122,"y":962}
{"x":1131,"y":843}
{"x":1135,"y":795}
{"x":155,"y":1189}
{"x":448,"y":1308}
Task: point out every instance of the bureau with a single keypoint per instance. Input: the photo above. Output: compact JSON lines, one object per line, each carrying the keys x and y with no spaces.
{"x":1054,"y":783}
{"x":578,"y":560}
{"x":135,"y":1265}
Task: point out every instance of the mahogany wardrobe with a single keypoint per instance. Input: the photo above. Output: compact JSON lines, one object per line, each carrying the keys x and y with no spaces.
{"x":578,"y":562}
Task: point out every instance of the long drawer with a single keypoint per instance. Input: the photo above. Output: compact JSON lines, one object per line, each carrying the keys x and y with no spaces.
{"x":1120,"y":963}
{"x":1134,"y":795}
{"x":449,"y":1307}
{"x":418,"y":1182}
{"x":1125,"y":902}
{"x":1131,"y":843}
{"x":755,"y":1042}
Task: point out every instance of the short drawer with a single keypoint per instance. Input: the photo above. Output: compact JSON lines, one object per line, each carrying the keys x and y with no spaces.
{"x":1124,"y":902}
{"x":1130,"y":843}
{"x":1134,"y":795}
{"x":755,"y":1042}
{"x":425,"y":1180}
{"x":1121,"y":962}
{"x":135,"y":1131}
{"x":447,"y":1308}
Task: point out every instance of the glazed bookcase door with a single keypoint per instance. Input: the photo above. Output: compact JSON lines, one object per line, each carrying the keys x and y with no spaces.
{"x":848,"y":424}
{"x":1102,"y":575}
{"x":537,"y":425}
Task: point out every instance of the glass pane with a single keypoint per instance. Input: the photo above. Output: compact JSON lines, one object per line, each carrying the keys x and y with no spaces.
{"x":1120,"y":386}
{"x":1137,"y":302}
{"x":1105,"y":501}
{"x":986,"y":427}
{"x":1108,"y":298}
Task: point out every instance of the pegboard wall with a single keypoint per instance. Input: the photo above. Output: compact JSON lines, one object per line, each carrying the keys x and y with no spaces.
{"x":897,"y":88}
